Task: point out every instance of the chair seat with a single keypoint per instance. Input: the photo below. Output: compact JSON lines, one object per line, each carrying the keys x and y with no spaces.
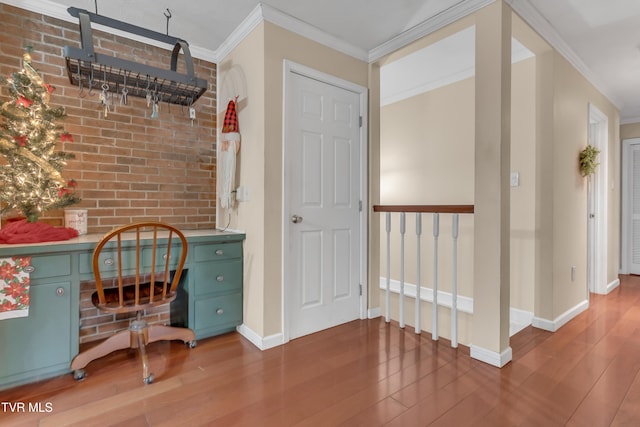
{"x":112,"y":297}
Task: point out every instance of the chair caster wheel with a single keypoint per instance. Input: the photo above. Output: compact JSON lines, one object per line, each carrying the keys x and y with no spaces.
{"x":79,"y":374}
{"x":192,"y":344}
{"x":149,"y":379}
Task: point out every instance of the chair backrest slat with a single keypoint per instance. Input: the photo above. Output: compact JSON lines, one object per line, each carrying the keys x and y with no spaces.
{"x":166,"y":266}
{"x":137,"y":283}
{"x":120,"y":282}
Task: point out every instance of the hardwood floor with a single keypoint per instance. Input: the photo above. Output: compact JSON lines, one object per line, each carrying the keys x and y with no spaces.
{"x":364,"y":373}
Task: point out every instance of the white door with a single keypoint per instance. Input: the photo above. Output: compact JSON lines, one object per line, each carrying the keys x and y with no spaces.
{"x":597,"y":220}
{"x":633,"y":206}
{"x":322,"y":191}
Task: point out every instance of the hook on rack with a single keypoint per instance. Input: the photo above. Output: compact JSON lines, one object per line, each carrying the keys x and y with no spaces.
{"x":168,"y":16}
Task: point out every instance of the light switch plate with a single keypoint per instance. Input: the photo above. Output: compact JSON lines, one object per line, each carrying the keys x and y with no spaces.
{"x":515,"y":179}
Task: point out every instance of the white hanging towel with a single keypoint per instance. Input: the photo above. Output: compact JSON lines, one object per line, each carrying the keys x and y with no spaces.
{"x":229,"y":147}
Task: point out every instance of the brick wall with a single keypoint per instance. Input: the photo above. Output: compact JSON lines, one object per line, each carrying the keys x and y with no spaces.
{"x":128,"y":166}
{"x":97,"y":325}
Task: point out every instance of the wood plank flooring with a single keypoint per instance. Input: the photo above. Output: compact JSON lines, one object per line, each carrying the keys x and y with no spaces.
{"x":364,"y":373}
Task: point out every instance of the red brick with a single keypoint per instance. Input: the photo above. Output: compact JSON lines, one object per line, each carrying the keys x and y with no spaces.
{"x":167,"y":160}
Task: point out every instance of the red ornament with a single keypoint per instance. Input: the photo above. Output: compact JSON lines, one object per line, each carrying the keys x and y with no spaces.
{"x":24,"y":102}
{"x":21,"y":140}
{"x":72,"y":183}
{"x":49,"y":88}
{"x":66,"y":137}
{"x":63,"y":191}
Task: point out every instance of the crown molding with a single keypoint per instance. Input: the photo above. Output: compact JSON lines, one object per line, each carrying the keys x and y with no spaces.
{"x":264,"y":12}
{"x":235,"y":38}
{"x":629,"y":120}
{"x":534,"y":18}
{"x":446,"y":17}
{"x":299,"y":27}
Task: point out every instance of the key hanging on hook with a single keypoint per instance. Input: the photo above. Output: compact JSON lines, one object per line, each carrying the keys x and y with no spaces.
{"x":104,"y":98}
{"x":192,"y":112}
{"x":148,"y":92}
{"x":154,"y":108}
{"x":125,"y":91}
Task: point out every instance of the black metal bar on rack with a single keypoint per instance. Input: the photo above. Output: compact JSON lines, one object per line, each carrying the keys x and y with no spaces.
{"x":88,"y":69}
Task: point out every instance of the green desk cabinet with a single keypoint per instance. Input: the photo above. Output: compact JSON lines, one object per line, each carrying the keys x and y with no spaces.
{"x":43,"y":344}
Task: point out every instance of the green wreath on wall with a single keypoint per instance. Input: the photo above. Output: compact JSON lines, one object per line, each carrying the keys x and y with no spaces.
{"x":588,"y":160}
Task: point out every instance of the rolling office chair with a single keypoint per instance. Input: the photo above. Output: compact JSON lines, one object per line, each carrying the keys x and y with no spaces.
{"x":155,"y":272}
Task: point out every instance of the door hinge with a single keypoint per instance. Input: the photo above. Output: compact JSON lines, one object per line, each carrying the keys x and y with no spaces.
{"x":360,"y":289}
{"x":360,"y":205}
{"x":360,"y":121}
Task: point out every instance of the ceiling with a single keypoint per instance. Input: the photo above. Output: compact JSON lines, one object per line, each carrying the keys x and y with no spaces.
{"x":600,"y":37}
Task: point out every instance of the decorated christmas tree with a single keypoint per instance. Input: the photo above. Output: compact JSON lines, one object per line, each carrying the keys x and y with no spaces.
{"x":30,"y":173}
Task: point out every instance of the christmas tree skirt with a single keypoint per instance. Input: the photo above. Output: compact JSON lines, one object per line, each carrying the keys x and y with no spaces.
{"x":18,"y":232}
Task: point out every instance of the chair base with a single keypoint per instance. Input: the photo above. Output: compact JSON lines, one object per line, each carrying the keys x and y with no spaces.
{"x":138,"y":336}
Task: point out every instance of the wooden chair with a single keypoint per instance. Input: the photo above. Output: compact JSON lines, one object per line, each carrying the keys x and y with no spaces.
{"x":144,"y":278}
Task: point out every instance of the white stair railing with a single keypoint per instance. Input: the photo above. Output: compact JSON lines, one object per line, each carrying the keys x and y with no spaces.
{"x":434,"y":311}
{"x":436,"y":210}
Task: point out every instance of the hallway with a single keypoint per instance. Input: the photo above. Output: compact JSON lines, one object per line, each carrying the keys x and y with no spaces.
{"x":365,"y":373}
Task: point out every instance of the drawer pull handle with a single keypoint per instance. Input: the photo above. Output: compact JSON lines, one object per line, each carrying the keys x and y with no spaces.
{"x":109,"y":261}
{"x":220,"y":278}
{"x":219,"y":252}
{"x":60,"y":292}
{"x":219,"y":311}
{"x":29,"y":269}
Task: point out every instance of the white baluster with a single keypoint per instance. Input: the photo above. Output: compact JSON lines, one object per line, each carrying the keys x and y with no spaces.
{"x":418,"y":284}
{"x":402,"y":231}
{"x":388,"y":290}
{"x":434,"y":309}
{"x":454,"y":286}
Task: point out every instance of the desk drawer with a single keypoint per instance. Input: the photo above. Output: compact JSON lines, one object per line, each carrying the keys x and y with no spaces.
{"x":213,"y":277}
{"x":50,"y":266}
{"x":108,"y":261}
{"x":218,"y":312}
{"x":218,"y":252}
{"x":161,"y":253}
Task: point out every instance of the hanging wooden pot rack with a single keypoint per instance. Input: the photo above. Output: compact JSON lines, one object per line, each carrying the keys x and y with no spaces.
{"x":90,"y":70}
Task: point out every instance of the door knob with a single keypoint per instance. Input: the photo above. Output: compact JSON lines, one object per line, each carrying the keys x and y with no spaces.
{"x":296,"y":219}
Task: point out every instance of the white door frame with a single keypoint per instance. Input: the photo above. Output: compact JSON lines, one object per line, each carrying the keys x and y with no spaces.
{"x":290,"y":68}
{"x":597,"y":258}
{"x":627,"y":188}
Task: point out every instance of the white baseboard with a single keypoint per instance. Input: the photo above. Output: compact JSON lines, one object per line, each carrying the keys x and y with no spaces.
{"x":374,"y":313}
{"x":465,"y":304}
{"x":263,"y":343}
{"x":519,"y":319}
{"x":558,"y":322}
{"x":611,"y":286}
{"x":491,"y":357}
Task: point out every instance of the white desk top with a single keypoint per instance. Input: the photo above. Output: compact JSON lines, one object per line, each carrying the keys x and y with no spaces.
{"x":94,"y":238}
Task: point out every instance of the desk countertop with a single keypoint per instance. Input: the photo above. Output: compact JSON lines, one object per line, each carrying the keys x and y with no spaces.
{"x":88,"y":241}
